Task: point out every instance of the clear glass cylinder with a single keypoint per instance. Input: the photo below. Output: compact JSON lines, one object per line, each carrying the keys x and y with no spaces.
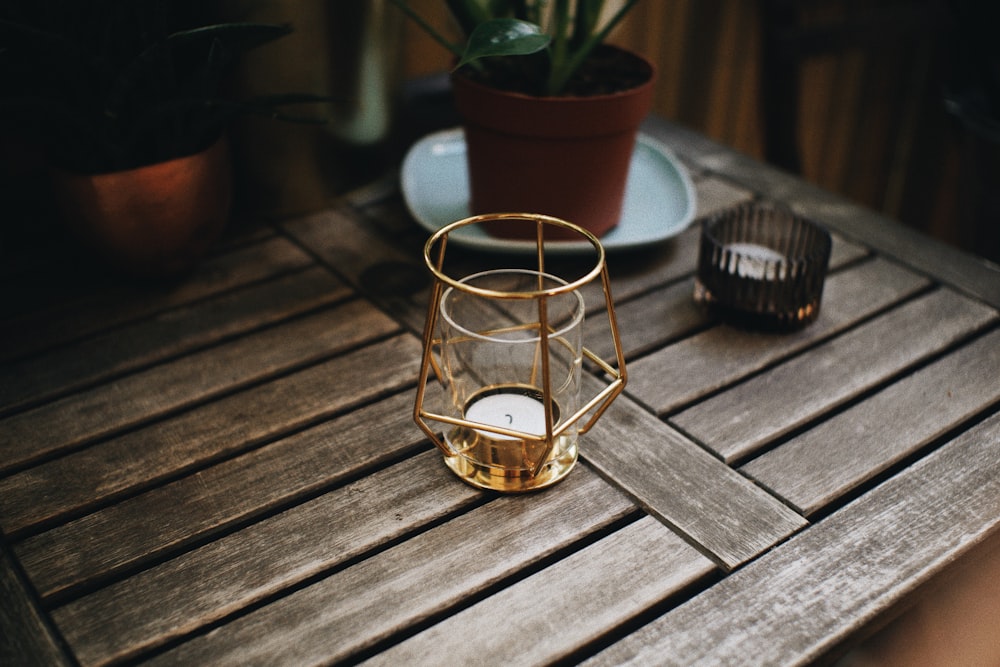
{"x":494,"y":374}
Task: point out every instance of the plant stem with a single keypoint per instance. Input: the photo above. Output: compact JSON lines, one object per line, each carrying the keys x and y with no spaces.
{"x":428,"y":28}
{"x":560,"y":38}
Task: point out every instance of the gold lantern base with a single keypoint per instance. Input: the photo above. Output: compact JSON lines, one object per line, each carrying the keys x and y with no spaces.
{"x":509,"y":468}
{"x":505,"y":463}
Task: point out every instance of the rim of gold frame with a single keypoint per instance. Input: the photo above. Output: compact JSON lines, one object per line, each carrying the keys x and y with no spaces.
{"x":440,"y":237}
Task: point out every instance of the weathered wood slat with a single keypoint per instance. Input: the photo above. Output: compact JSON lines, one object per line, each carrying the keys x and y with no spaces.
{"x":25,"y":638}
{"x":119,"y":537}
{"x":965,"y":272}
{"x":854,"y":446}
{"x":169,"y":334}
{"x":109,"y":408}
{"x":258,"y":562}
{"x":646,"y":322}
{"x":226,"y":470}
{"x":798,"y":602}
{"x":670,"y":312}
{"x":354,"y":248}
{"x":715,"y":508}
{"x":361,"y":254}
{"x":43,"y":270}
{"x":96,"y":474}
{"x":366,"y":259}
{"x":645,"y":269}
{"x":698,"y":365}
{"x":714,"y":193}
{"x":690,"y":146}
{"x":736,"y":423}
{"x":121,"y":303}
{"x":549,"y":615}
{"x":413,"y":581}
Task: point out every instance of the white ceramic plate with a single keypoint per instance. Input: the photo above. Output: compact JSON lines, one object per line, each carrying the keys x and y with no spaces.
{"x":659,"y":196}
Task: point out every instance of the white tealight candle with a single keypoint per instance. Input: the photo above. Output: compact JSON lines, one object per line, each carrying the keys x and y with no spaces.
{"x":512,"y":410}
{"x":752,"y":260}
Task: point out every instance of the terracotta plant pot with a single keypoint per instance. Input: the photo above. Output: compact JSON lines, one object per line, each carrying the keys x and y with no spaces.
{"x":155,"y":221}
{"x":562,"y":156}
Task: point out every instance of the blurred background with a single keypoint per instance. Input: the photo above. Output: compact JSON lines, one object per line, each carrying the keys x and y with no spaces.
{"x":853,"y":95}
{"x":849,"y":94}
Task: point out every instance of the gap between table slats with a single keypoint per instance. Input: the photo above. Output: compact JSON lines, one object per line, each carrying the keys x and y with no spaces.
{"x":415,"y":581}
{"x":723,"y":514}
{"x":738,"y":422}
{"x":118,"y":303}
{"x":182,"y":330}
{"x":86,"y":479}
{"x":704,"y":363}
{"x":557,"y":612}
{"x":117,"y":539}
{"x":263,"y":561}
{"x":863,"y":561}
{"x":858,"y":444}
{"x":157,"y":391}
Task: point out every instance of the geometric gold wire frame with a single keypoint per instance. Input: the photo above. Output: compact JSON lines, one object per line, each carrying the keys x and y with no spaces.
{"x":434,"y":256}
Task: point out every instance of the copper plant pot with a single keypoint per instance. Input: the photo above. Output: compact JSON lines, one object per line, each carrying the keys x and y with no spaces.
{"x":155,"y":221}
{"x":566,"y":157}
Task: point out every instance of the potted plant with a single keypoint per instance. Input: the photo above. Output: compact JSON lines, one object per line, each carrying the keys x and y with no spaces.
{"x":125,"y":99}
{"x":550,"y":113}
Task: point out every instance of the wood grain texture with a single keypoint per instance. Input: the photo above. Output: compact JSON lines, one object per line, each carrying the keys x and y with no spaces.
{"x":359,"y":253}
{"x":413,"y":581}
{"x":715,"y":508}
{"x":95,"y":475}
{"x":715,"y":194}
{"x":25,"y":637}
{"x":226,"y":471}
{"x":121,"y":536}
{"x":354,"y":248}
{"x":708,"y":361}
{"x":551,"y":614}
{"x":645,"y":269}
{"x":798,"y":602}
{"x":168,"y":334}
{"x":966,"y":273}
{"x":738,"y":422}
{"x":162,"y":389}
{"x":118,"y":303}
{"x":647,"y":322}
{"x":840,"y":454}
{"x":670,"y":313}
{"x":256,"y":563}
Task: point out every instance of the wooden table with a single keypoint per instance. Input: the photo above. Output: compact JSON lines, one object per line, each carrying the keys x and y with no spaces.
{"x":226,"y":471}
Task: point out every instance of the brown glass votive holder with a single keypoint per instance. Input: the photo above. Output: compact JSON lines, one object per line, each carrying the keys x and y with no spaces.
{"x":762,"y":267}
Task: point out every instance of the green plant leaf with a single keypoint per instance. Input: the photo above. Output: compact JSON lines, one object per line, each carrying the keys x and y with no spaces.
{"x":240,"y":37}
{"x":588,"y":13}
{"x":504,"y":37}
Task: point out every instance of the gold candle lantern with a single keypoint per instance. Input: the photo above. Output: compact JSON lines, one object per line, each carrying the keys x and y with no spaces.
{"x":505,"y":346}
